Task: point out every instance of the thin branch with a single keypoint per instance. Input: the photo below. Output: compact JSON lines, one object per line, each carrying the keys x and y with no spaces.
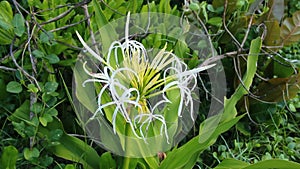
{"x":87,"y":15}
{"x":8,"y":68}
{"x":206,"y":32}
{"x":115,"y":11}
{"x":68,"y":26}
{"x":218,"y":57}
{"x":65,"y":13}
{"x":30,"y":78}
{"x":225,"y":26}
{"x":247,"y":31}
{"x":247,"y":110}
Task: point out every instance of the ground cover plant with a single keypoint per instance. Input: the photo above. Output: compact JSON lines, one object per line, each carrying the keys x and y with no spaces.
{"x":51,"y":50}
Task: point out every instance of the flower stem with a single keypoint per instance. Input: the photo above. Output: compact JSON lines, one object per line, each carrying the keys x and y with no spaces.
{"x":126,"y":160}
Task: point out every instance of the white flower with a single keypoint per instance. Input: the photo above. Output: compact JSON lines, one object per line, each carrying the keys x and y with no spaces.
{"x":132,"y":79}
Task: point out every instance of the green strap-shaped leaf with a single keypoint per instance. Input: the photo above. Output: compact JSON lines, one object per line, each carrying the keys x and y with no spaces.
{"x":107,"y":33}
{"x":229,"y":105}
{"x":185,"y":156}
{"x":71,"y":148}
{"x":267,"y":164}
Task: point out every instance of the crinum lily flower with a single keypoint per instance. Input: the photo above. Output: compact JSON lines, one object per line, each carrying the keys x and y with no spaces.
{"x":131,"y":78}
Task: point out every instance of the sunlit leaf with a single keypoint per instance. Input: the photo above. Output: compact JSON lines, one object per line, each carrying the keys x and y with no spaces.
{"x":30,"y":154}
{"x":8,"y":158}
{"x":14,"y":87}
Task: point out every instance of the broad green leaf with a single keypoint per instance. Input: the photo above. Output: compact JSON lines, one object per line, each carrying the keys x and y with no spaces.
{"x":19,"y":127}
{"x":231,"y":164}
{"x":6,"y":11}
{"x":70,"y":166}
{"x":267,"y":164}
{"x":19,"y":25}
{"x":108,"y":34}
{"x":106,"y":161}
{"x":70,"y":148}
{"x":216,"y":21}
{"x":274,"y":163}
{"x":6,"y":27}
{"x":8,"y":158}
{"x":14,"y":87}
{"x":183,"y":155}
{"x":290,"y":29}
{"x":30,"y":154}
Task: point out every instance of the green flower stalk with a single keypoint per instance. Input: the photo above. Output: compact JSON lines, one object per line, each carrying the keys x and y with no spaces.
{"x":131,"y":78}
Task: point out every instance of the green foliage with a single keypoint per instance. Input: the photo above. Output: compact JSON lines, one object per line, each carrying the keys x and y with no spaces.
{"x":8,"y":158}
{"x":231,"y":163}
{"x":38,"y":42}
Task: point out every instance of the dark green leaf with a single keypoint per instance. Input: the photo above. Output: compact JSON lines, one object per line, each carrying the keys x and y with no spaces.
{"x":52,"y":58}
{"x":46,"y":37}
{"x":36,"y":108}
{"x":50,"y":86}
{"x":38,"y":54}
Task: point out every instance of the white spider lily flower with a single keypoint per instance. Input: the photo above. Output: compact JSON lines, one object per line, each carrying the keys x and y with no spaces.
{"x":148,"y":118}
{"x":183,"y":79}
{"x":133,"y":78}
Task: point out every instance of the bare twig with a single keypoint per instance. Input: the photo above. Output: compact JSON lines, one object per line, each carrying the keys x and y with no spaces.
{"x":225,"y":26}
{"x":247,"y":31}
{"x":8,"y":68}
{"x":218,"y":57}
{"x":87,"y":15}
{"x":30,"y":78}
{"x":206,"y":32}
{"x":247,"y":110}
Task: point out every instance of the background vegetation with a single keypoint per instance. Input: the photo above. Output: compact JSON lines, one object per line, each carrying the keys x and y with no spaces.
{"x":39,"y":49}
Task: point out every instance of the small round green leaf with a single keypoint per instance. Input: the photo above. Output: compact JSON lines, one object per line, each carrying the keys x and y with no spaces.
{"x":14,"y":87}
{"x":30,"y":154}
{"x":52,"y":58}
{"x":50,"y":86}
{"x":38,"y":54}
{"x":194,"y":6}
{"x":43,"y":121}
{"x":19,"y":25}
